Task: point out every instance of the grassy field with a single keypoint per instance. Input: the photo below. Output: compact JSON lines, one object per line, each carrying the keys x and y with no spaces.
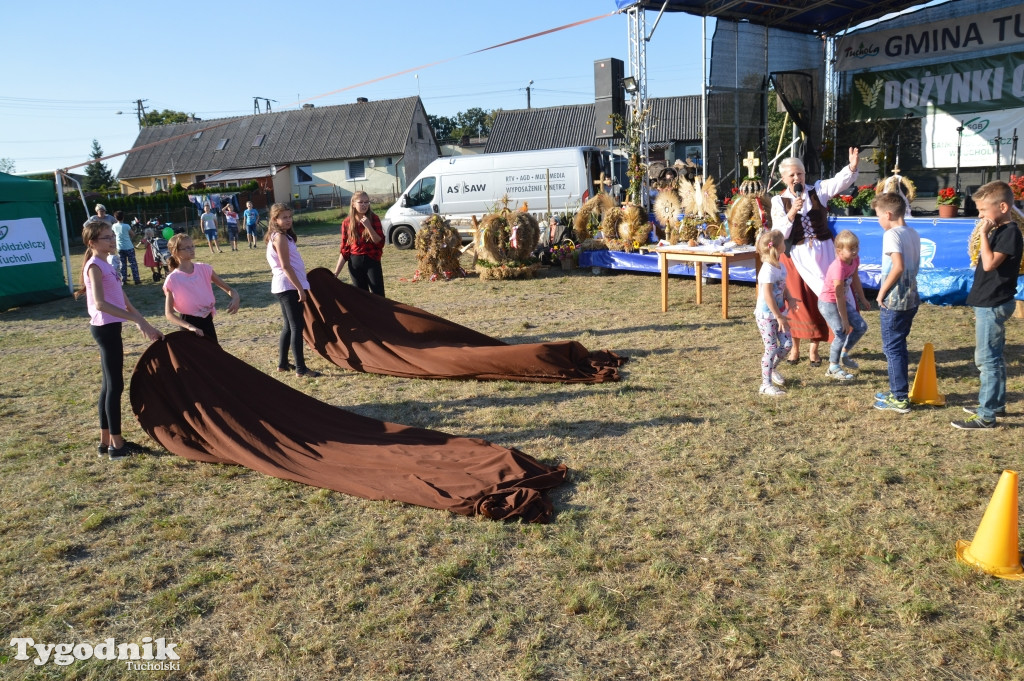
{"x":705,"y":532}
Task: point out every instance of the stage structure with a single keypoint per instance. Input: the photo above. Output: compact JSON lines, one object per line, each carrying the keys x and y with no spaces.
{"x":955,"y":69}
{"x":786,"y":45}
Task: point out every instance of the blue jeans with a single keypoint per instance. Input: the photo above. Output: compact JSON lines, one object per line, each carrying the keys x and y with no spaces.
{"x":990,"y":337}
{"x":830,"y":311}
{"x":895,"y":326}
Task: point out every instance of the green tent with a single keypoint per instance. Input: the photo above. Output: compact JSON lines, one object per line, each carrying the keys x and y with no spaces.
{"x":30,"y":243}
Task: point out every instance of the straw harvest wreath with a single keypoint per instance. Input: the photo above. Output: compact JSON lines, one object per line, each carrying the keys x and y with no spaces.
{"x":505,"y":240}
{"x":697,"y":201}
{"x":437,"y":250}
{"x":624,"y":229}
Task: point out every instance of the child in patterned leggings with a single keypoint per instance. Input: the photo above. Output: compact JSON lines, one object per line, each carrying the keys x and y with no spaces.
{"x":771,"y":322}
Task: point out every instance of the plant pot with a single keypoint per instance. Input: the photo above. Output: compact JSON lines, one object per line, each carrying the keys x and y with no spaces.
{"x":568,"y":264}
{"x":948,"y":211}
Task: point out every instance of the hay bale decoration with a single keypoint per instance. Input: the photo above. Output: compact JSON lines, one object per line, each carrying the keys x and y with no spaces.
{"x":438,"y":250}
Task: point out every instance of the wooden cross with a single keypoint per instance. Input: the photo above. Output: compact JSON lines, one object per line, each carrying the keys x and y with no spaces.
{"x":600,"y":184}
{"x":751,"y":163}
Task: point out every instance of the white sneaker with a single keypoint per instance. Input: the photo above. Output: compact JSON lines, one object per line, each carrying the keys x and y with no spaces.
{"x":771,"y":390}
{"x":838,"y":374}
{"x":777,"y":378}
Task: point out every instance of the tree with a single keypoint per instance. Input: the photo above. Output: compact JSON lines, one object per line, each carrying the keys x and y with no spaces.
{"x":442,"y":126}
{"x":167,"y":116}
{"x":6,"y":165}
{"x":97,"y":174}
{"x":474,"y":122}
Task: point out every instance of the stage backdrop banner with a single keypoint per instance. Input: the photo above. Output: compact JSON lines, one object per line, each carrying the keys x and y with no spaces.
{"x":965,"y":86}
{"x":953,"y":36}
{"x":978,"y":146}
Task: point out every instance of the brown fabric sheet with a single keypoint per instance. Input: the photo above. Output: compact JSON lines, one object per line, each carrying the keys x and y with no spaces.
{"x":204,"y":404}
{"x":363,"y":332}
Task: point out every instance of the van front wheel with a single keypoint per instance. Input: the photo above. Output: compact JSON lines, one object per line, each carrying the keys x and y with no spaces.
{"x":403,"y":238}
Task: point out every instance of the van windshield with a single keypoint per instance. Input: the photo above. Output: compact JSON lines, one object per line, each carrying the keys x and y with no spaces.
{"x":422,"y":192}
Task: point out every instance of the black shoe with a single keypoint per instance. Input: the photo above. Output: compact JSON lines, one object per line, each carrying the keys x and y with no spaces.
{"x":1000,"y":411}
{"x":974,"y":423}
{"x":290,"y":367}
{"x":124,"y":451}
{"x":308,"y":373}
{"x":102,"y":449}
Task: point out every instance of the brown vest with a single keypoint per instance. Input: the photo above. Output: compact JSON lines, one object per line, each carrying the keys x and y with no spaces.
{"x":818,"y":216}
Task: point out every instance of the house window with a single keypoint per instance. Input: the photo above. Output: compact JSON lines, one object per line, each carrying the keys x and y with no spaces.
{"x":389,"y":160}
{"x":357,"y":170}
{"x":223,"y":143}
{"x":419,"y":130}
{"x":303,"y":174}
{"x":232,"y":184}
{"x":158,"y":185}
{"x":200,"y":178}
{"x":197,"y":135}
{"x":259,"y":140}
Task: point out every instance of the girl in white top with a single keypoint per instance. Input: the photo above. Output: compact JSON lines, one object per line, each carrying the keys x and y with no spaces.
{"x":108,"y":307}
{"x":289,"y":285}
{"x":771,"y":322}
{"x":189,"y":291}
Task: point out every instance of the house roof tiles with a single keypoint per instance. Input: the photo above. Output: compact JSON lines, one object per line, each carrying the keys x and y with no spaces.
{"x":673,"y":118}
{"x":359,"y":130}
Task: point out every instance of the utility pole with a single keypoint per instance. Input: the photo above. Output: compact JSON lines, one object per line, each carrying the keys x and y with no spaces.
{"x":140,"y":111}
{"x":528,"y":94}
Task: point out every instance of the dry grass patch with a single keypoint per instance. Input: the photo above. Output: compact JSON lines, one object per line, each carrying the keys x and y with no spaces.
{"x":705,"y":533}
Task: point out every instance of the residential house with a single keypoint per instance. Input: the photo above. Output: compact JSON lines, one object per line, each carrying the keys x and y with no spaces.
{"x":308,"y":153}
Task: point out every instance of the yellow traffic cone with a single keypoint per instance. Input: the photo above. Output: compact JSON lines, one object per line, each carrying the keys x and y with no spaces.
{"x":926,"y":388}
{"x":994,"y":549}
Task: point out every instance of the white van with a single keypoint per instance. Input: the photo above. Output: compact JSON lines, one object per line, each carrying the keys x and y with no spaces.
{"x":459,"y":187}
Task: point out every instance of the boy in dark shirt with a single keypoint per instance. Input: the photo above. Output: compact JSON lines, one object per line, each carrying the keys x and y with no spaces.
{"x":995,"y":284}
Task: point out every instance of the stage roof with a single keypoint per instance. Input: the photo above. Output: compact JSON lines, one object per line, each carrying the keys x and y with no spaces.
{"x":801,"y":16}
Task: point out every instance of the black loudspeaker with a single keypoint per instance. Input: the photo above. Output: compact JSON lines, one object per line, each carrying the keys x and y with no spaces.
{"x":609,"y":95}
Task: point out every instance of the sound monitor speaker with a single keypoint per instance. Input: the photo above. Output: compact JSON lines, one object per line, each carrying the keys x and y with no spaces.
{"x":609,"y":96}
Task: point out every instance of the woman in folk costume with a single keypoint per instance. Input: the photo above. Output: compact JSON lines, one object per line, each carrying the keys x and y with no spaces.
{"x":801,"y":214}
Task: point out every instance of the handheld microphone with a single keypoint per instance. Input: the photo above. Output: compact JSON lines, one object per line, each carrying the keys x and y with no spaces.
{"x":798,"y":188}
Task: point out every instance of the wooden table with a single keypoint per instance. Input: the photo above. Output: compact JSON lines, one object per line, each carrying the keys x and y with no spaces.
{"x":698,"y":258}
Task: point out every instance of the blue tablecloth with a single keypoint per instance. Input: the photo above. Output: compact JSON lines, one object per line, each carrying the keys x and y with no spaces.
{"x":945,"y":276}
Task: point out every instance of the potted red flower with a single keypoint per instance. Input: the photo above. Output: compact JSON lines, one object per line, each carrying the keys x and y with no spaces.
{"x":948,"y":202}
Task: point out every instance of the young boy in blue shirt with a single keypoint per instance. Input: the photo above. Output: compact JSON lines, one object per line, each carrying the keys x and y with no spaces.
{"x":995,"y":284}
{"x":898,"y":299}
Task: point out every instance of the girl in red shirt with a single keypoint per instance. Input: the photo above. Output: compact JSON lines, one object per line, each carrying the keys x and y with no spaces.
{"x":362,"y":244}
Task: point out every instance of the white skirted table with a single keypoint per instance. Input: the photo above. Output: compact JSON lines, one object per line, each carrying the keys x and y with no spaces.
{"x":698,"y":256}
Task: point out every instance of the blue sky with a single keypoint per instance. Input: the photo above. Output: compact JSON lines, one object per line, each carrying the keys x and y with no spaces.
{"x":71,"y":65}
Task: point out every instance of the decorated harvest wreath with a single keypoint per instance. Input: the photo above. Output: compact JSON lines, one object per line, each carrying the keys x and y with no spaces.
{"x":438,"y":250}
{"x":748,"y":215}
{"x":697,"y":202}
{"x":504,"y":241}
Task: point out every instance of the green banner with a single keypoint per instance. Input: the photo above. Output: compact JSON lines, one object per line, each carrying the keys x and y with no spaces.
{"x":966,"y":86}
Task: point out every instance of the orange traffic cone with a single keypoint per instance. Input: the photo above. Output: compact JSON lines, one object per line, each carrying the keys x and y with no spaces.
{"x":926,"y":388}
{"x":994,"y":549}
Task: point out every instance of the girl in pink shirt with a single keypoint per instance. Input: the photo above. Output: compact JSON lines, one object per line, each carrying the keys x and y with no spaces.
{"x":837,"y":306}
{"x":108,"y":308}
{"x":189,"y":291}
